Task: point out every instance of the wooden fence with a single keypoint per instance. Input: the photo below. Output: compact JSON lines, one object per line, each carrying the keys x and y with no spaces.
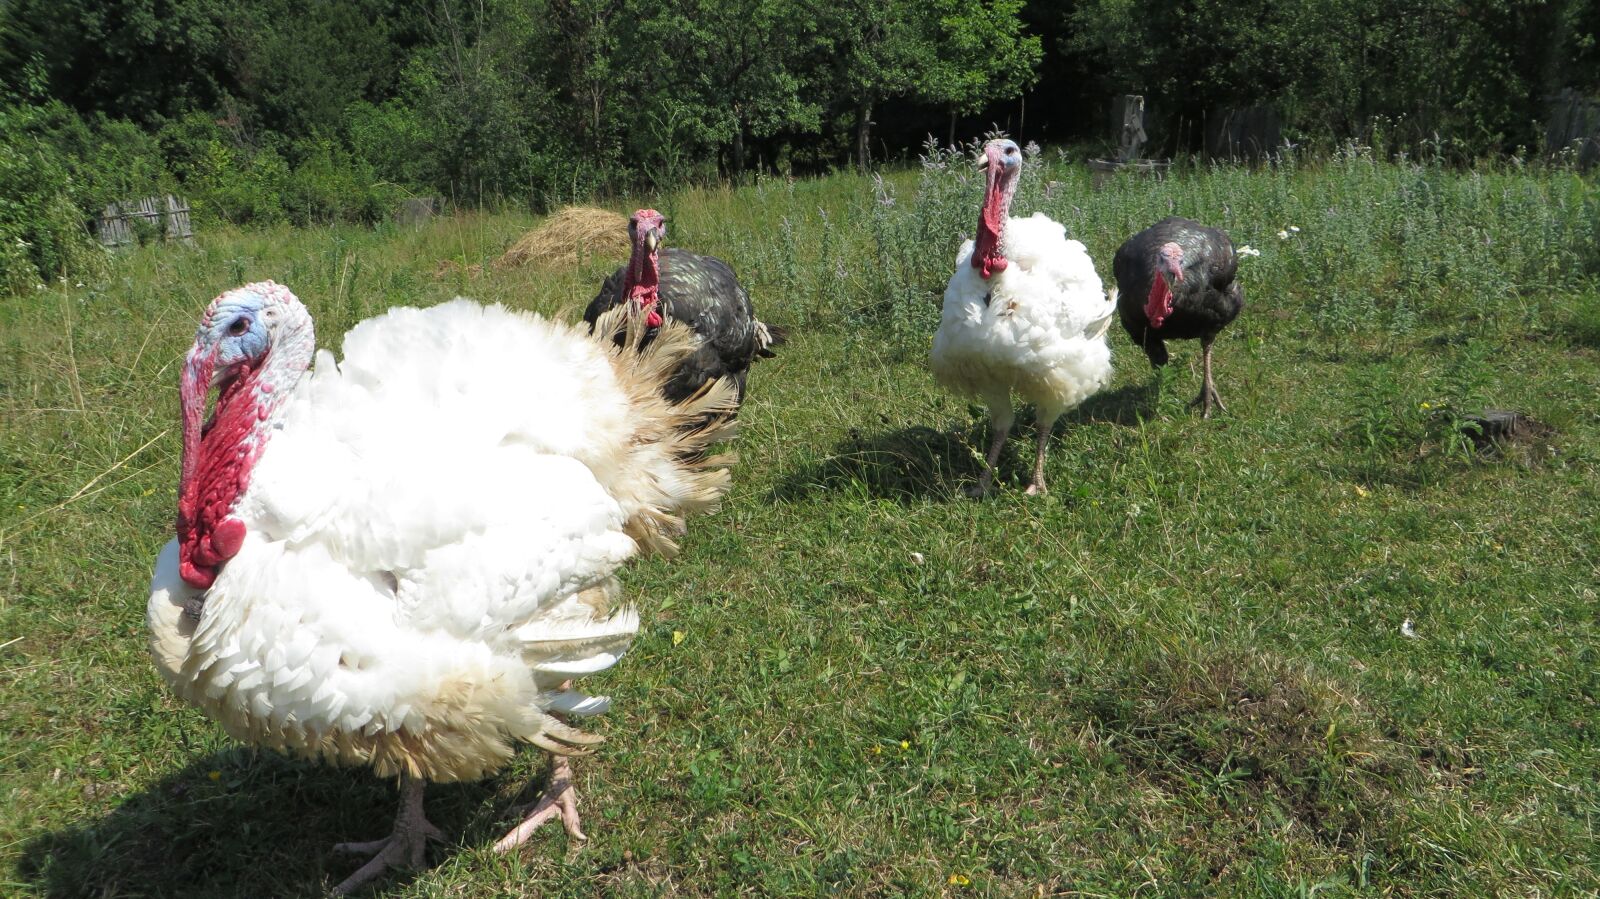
{"x":119,"y":223}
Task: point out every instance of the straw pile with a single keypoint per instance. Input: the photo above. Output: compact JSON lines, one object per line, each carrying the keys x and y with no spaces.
{"x":570,"y":236}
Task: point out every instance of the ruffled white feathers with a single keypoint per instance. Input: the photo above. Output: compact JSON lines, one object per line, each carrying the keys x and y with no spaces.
{"x":1037,"y":328}
{"x":431,"y":535}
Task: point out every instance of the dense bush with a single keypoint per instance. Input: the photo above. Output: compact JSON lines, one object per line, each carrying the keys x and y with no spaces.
{"x":42,"y":230}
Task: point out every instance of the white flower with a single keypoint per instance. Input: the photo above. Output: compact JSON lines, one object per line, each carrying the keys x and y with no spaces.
{"x":917,"y":558}
{"x":1407,"y":629}
{"x":1283,"y":235}
{"x":1248,"y":250}
{"x":1293,"y":230}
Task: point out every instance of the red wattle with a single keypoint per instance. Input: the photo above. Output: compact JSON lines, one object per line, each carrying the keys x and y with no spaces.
{"x":1159,"y":305}
{"x":217,"y":460}
{"x":642,"y":282}
{"x":986,"y":255}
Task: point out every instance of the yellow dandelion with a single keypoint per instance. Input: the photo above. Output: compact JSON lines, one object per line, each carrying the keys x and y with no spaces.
{"x":678,"y":637}
{"x":215,"y":775}
{"x":1425,"y":406}
{"x":1361,"y":491}
{"x":959,"y":880}
{"x":904,"y":745}
{"x":876,"y":750}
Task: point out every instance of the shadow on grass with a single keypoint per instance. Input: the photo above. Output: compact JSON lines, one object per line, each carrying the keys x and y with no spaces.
{"x":1129,"y":404}
{"x":919,"y":462}
{"x":241,"y":823}
{"x":911,"y":463}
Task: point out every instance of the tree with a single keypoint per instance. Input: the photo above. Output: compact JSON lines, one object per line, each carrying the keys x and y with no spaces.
{"x":727,"y":70}
{"x":981,"y":55}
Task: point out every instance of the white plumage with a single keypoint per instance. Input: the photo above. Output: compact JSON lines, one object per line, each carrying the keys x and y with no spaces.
{"x":1035,"y":326}
{"x":430,"y":532}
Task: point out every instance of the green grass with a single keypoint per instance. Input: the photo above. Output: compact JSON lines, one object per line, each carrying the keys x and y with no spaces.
{"x":1183,"y":673}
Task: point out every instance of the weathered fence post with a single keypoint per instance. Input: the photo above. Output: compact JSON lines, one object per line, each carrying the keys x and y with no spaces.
{"x":1131,"y":140}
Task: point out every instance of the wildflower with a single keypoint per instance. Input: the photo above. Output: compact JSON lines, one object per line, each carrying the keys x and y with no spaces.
{"x":1407,"y":629}
{"x":1293,"y":230}
{"x":1248,"y":250}
{"x":876,"y":750}
{"x":214,"y":775}
{"x":904,"y":745}
{"x":678,"y":637}
{"x":1361,"y":491}
{"x":1283,"y":235}
{"x":959,"y":880}
{"x":38,"y":287}
{"x":1424,"y":406}
{"x":917,"y":558}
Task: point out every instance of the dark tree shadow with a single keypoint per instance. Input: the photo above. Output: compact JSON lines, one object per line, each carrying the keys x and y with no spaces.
{"x":911,"y":463}
{"x":246,"y":823}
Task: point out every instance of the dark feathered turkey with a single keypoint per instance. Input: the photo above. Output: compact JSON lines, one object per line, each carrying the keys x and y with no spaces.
{"x":1175,"y":281}
{"x":700,"y":291}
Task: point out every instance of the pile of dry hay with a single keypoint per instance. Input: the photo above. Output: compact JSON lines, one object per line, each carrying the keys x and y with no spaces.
{"x":570,"y":236}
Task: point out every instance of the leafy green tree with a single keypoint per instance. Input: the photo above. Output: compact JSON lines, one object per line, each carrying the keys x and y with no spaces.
{"x":140,"y":59}
{"x":981,"y":54}
{"x":723,"y":71}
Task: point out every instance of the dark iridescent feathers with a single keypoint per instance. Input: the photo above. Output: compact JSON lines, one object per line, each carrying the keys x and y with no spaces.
{"x":1203,"y":304}
{"x":702,"y":292}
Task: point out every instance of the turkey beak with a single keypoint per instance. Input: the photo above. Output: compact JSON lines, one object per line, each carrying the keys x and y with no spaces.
{"x":983,"y":163}
{"x":652,"y":239}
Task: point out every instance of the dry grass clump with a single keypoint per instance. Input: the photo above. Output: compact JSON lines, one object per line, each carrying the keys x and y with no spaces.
{"x":569,"y":236}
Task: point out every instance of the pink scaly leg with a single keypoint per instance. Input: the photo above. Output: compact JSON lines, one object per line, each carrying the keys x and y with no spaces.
{"x":1001,"y":418}
{"x":1046,"y":422}
{"x":1208,"y":389}
{"x":405,"y":846}
{"x":560,"y":799}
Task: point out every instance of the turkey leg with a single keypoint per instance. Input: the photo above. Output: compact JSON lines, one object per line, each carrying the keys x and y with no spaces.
{"x":1208,"y":389}
{"x":1046,"y":423}
{"x":1001,"y":422}
{"x":406,"y":845}
{"x":560,"y":799}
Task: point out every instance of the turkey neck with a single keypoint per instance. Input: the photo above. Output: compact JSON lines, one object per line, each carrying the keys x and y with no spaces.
{"x":219,"y":455}
{"x":642,"y":283}
{"x":1001,"y":184}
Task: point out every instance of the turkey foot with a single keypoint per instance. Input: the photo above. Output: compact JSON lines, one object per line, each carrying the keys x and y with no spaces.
{"x":560,"y":799}
{"x":406,"y":846}
{"x":1208,"y":397}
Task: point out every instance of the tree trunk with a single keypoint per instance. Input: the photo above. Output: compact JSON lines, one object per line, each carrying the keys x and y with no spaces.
{"x":738,"y":154}
{"x":864,"y":134}
{"x":952,"y":139}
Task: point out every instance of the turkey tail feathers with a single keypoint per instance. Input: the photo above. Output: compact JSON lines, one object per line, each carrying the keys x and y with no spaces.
{"x":1098,"y":327}
{"x":769,"y":336}
{"x":672,"y":441}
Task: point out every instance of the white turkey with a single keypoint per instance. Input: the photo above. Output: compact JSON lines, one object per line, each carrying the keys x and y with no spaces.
{"x":1024,"y":313}
{"x":700,"y":291}
{"x":403,"y":559}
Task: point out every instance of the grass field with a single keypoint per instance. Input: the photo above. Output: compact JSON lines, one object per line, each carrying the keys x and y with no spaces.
{"x":1317,"y":646}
